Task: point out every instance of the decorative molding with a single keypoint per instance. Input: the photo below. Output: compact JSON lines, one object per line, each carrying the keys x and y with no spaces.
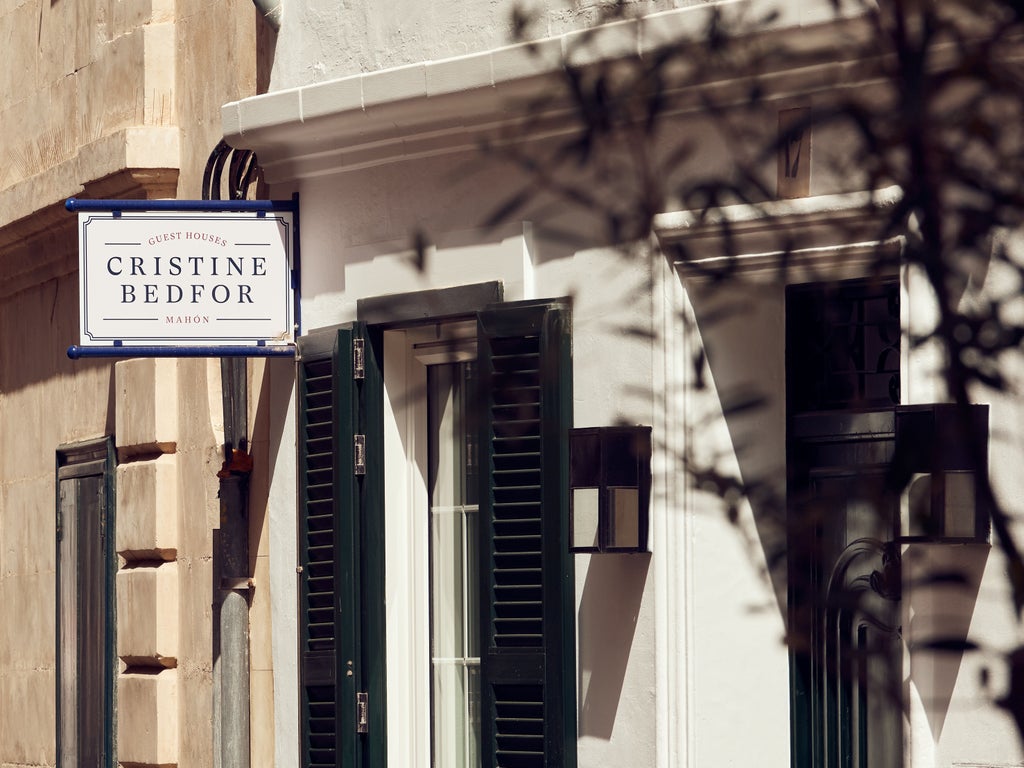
{"x":438,"y":107}
{"x":776,"y":215}
{"x":839,"y":235}
{"x":44,"y":245}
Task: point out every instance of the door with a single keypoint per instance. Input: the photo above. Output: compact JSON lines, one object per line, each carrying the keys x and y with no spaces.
{"x":843,"y":391}
{"x":853,"y":667}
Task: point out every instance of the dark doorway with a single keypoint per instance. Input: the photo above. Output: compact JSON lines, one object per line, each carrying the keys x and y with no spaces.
{"x":842,"y":372}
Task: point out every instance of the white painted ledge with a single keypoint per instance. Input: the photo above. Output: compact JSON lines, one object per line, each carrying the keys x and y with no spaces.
{"x":838,"y":235}
{"x":776,"y":214}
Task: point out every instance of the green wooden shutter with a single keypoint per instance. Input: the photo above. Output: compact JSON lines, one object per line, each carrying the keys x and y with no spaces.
{"x":336,"y":552}
{"x":528,"y":715}
{"x":323,"y":427}
{"x":371,"y":673}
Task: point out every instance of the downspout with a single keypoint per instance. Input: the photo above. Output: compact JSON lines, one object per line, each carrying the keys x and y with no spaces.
{"x":235,"y":582}
{"x":232,"y":582}
{"x":270,"y":10}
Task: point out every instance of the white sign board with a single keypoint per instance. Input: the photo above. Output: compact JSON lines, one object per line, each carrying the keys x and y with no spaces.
{"x":186,"y":278}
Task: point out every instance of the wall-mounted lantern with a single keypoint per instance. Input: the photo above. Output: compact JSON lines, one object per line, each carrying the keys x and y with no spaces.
{"x":610,"y":488}
{"x":943,"y":449}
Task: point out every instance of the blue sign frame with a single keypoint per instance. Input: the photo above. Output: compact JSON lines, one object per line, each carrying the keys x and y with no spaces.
{"x":261,"y":208}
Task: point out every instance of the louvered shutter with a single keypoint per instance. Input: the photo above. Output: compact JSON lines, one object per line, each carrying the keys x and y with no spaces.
{"x":528,"y":716}
{"x":333,"y":611}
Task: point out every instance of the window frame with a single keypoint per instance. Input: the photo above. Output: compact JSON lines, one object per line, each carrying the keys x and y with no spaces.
{"x":341,"y":384}
{"x":74,"y":462}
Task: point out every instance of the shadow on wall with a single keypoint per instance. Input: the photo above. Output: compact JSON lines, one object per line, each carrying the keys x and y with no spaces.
{"x":742,"y":333}
{"x":941,"y":584}
{"x":609,"y":608}
{"x":265,"y":442}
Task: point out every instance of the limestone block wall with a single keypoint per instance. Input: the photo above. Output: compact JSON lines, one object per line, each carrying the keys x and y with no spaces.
{"x":80,"y":81}
{"x":168,"y":456}
{"x":147,"y":543}
{"x":121,"y":94}
{"x":107,"y":68}
{"x":46,"y":400}
{"x":115,"y":100}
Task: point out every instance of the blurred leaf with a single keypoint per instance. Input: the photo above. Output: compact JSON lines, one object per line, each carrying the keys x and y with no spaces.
{"x":743,"y":405}
{"x":699,"y":363}
{"x":420,"y":246}
{"x":946,"y":645}
{"x":955,"y":578}
{"x":509,"y":208}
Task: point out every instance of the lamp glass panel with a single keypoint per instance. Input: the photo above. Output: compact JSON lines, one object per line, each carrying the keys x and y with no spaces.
{"x":917,"y":506}
{"x":621,"y":452}
{"x":960,"y":505}
{"x":585,"y":518}
{"x":584,"y":458}
{"x":624,"y":506}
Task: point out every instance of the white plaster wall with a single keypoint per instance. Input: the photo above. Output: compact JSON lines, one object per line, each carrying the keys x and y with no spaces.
{"x":953,"y":717}
{"x":322,"y":40}
{"x":273,"y":441}
{"x":612,"y":382}
{"x":735,"y":606}
{"x":702,"y":649}
{"x":688,"y":650}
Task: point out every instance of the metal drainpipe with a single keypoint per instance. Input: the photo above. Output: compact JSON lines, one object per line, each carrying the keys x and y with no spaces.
{"x":270,"y":10}
{"x":235,"y":583}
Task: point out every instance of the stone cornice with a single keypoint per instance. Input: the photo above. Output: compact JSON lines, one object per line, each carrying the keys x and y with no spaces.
{"x":37,"y":237}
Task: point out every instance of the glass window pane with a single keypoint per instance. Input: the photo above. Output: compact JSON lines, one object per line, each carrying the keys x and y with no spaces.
{"x":447,"y":586}
{"x":449,"y":714}
{"x":91,"y":609}
{"x":454,"y":561}
{"x":472,"y":584}
{"x":469,"y":422}
{"x":445,"y":469}
{"x":473,"y":712}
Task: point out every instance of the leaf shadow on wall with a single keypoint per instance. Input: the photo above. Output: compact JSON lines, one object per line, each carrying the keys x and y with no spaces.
{"x":607,"y":619}
{"x":942,"y":584}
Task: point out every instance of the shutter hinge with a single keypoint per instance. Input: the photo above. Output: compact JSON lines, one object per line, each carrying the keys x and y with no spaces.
{"x":362,"y":712}
{"x":359,"y":454}
{"x":358,"y":358}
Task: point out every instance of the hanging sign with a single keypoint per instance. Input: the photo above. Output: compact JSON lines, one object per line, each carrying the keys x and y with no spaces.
{"x":185,"y":277}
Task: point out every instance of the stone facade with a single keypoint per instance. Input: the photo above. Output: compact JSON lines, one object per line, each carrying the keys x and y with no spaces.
{"x":108,"y":100}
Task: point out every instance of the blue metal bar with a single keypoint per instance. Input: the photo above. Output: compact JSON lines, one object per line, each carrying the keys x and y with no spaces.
{"x":76,"y":351}
{"x":73,"y":204}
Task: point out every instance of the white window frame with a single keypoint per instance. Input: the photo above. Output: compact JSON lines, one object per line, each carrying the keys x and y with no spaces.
{"x":407,"y":353}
